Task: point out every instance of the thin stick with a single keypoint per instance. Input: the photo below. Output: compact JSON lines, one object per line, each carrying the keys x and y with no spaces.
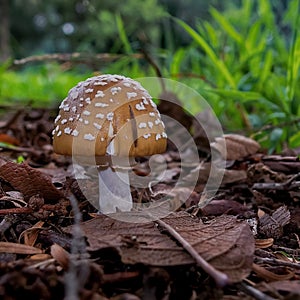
{"x":278,"y":262}
{"x":255,"y":293}
{"x":220,"y":278}
{"x":74,"y":281}
{"x":16,"y":210}
{"x":74,"y":57}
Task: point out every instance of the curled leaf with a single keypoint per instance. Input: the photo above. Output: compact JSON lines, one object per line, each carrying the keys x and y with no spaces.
{"x":29,"y":181}
{"x":272,"y":276}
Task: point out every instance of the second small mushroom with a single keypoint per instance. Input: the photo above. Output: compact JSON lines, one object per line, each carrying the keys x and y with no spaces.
{"x":108,"y":119}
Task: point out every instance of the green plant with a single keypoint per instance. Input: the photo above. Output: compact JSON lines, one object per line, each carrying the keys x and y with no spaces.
{"x":38,"y":86}
{"x":251,"y":68}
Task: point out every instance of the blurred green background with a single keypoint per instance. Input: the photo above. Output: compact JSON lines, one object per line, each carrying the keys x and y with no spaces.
{"x":243,"y":56}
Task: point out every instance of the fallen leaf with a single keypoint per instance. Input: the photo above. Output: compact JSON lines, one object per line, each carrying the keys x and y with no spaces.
{"x":31,"y":234}
{"x":223,"y":206}
{"x":40,"y":257}
{"x":5,"y":138}
{"x":272,"y":276}
{"x":29,"y":181}
{"x":7,"y":247}
{"x":60,"y":255}
{"x":225,"y":242}
{"x":177,"y":196}
{"x":233,"y":176}
{"x":235,"y":146}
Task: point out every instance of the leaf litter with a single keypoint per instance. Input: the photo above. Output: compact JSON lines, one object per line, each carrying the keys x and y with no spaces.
{"x":249,"y":231}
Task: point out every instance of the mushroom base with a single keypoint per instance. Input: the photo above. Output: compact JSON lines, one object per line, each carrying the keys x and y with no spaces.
{"x":114,"y":190}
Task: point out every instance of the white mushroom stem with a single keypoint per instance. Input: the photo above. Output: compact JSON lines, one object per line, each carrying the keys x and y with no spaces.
{"x":114,"y":190}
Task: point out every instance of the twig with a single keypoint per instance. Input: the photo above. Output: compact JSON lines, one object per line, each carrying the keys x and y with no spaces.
{"x":287,"y":185}
{"x":274,"y":261}
{"x":276,"y":186}
{"x":287,"y":250}
{"x":78,"y":249}
{"x":255,"y":293}
{"x":74,"y":57}
{"x":26,"y":210}
{"x":16,"y":210}
{"x":220,"y":278}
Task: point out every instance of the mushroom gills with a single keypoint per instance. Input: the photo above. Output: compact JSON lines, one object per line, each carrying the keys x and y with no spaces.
{"x":114,"y":190}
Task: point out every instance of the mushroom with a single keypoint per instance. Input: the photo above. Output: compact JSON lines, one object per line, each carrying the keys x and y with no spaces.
{"x":109,"y":119}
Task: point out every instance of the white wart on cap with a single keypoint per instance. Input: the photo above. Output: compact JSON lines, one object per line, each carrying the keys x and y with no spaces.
{"x":109,"y":115}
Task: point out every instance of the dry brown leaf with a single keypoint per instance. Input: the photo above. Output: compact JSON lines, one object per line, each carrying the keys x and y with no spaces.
{"x":5,"y":138}
{"x":40,"y":257}
{"x":225,"y":242}
{"x":223,"y":206}
{"x":231,"y":176}
{"x":237,"y":146}
{"x":29,"y":181}
{"x":31,"y":234}
{"x":177,"y":196}
{"x":60,"y":255}
{"x":7,"y":247}
{"x":271,"y":276}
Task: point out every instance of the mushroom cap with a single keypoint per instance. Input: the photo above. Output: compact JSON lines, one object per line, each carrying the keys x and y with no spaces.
{"x":109,"y":115}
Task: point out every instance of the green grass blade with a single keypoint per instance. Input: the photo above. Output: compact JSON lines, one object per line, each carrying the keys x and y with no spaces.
{"x":176,"y":61}
{"x":227,"y":27}
{"x":266,"y":13}
{"x":219,"y":64}
{"x":125,"y":41}
{"x":266,"y":69}
{"x":293,"y":61}
{"x":247,"y":9}
{"x":123,"y":35}
{"x":211,"y":33}
{"x":253,"y":35}
{"x":236,"y":94}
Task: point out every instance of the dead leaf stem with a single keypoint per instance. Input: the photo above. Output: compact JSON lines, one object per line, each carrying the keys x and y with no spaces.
{"x":255,"y":293}
{"x":220,"y":278}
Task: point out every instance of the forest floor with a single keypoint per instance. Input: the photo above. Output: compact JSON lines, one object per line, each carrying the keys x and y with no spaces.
{"x":55,"y":245}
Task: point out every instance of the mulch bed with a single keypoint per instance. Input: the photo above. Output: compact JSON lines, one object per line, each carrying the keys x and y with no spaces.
{"x":43,"y":257}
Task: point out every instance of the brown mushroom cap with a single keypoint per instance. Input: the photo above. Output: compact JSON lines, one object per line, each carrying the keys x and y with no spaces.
{"x":108,"y":115}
